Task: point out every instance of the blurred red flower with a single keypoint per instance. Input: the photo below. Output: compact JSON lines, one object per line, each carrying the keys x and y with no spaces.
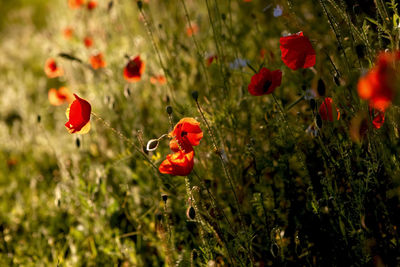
{"x":378,"y":117}
{"x":378,"y":85}
{"x":179,"y":163}
{"x":91,"y":5}
{"x":51,"y":69}
{"x":134,"y":69}
{"x":88,"y":41}
{"x":326,"y":110}
{"x":60,"y":96}
{"x":265,"y":82}
{"x":193,"y":29}
{"x":160,"y":79}
{"x":97,"y":61}
{"x":297,"y":51}
{"x":78,"y":115}
{"x":68,"y":32}
{"x":74,"y":4}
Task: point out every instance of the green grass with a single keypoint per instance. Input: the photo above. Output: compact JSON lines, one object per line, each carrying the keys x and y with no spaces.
{"x":264,"y":192}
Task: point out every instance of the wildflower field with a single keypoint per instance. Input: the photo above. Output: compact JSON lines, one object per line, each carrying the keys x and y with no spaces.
{"x":199,"y":133}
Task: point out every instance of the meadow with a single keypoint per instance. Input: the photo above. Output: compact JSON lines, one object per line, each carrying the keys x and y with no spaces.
{"x":199,"y":133}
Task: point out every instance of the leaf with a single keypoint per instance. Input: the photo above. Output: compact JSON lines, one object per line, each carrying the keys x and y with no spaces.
{"x":69,"y":57}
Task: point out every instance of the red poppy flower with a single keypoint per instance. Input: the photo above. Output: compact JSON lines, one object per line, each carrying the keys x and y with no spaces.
{"x":60,"y":96}
{"x":51,"y":69}
{"x":326,"y":110}
{"x":88,"y":41}
{"x":91,"y":5}
{"x":160,"y":79}
{"x":378,"y":117}
{"x":78,"y":115}
{"x":74,"y":4}
{"x":179,"y":163}
{"x":186,"y":132}
{"x":193,"y":29}
{"x":378,"y":85}
{"x":68,"y":33}
{"x":97,"y":61}
{"x":134,"y":69}
{"x":265,"y":82}
{"x":297,"y":51}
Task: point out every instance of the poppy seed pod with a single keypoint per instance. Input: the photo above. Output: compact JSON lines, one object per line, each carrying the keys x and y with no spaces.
{"x":360,"y":50}
{"x":321,"y":87}
{"x":140,"y":4}
{"x":191,"y":213}
{"x":195,"y":95}
{"x":39,"y":118}
{"x":164,"y":197}
{"x":77,"y":142}
{"x":169,"y":110}
{"x":152,"y":145}
{"x":313,"y":104}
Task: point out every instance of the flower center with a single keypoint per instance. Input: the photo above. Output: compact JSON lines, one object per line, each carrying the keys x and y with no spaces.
{"x":53,"y":66}
{"x":183,"y":133}
{"x":266,"y":86}
{"x":133,"y":67}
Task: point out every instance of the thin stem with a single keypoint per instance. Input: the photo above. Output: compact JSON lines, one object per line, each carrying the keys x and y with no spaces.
{"x":150,"y":33}
{"x":295,"y":103}
{"x":196,"y":43}
{"x":226,"y":171}
{"x":126,"y":139}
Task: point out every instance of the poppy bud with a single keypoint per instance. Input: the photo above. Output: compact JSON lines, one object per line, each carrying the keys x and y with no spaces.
{"x":110,"y":5}
{"x":169,"y":110}
{"x":191,"y":213}
{"x":223,"y":16}
{"x":195,"y":95}
{"x":152,"y":145}
{"x":360,"y":50}
{"x":321,"y":87}
{"x":140,"y":4}
{"x":127,"y":92}
{"x":164,"y":197}
{"x":356,"y":9}
{"x":313,"y":104}
{"x":39,"y":118}
{"x":159,"y":216}
{"x":319,"y":121}
{"x":77,"y":142}
{"x":194,"y":254}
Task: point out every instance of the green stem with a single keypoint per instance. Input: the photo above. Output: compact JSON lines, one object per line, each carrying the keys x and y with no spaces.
{"x":295,"y":103}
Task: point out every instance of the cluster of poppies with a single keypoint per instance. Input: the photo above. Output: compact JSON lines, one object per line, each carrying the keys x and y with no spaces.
{"x":297,"y":52}
{"x":184,"y":136}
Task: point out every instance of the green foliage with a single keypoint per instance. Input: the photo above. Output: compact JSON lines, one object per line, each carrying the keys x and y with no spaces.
{"x":264,"y":191}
